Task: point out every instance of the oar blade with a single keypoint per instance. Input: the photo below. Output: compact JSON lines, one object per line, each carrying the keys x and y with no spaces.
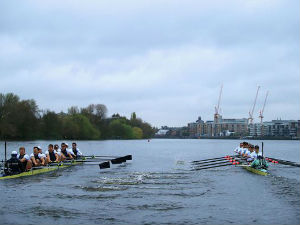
{"x":104,"y":165}
{"x":117,"y":160}
{"x":128,"y":157}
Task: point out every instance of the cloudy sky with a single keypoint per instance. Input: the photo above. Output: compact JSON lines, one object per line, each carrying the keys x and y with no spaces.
{"x":164,"y":60}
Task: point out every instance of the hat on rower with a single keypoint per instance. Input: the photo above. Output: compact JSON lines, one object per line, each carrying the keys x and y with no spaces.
{"x":66,"y":144}
{"x":39,"y":147}
{"x":14,"y":153}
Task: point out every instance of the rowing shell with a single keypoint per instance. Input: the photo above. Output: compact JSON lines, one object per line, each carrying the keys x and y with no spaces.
{"x":262,"y":172}
{"x":47,"y":169}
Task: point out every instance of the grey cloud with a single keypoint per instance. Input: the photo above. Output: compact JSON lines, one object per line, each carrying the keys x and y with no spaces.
{"x":165,"y":61}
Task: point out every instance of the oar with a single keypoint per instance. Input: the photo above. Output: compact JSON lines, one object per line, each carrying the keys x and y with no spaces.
{"x":223,"y":157}
{"x":104,"y":165}
{"x":209,"y":161}
{"x":118,"y":160}
{"x":74,"y":161}
{"x":284,"y":162}
{"x":209,"y":167}
{"x":210,"y":164}
{"x":219,"y":161}
{"x":127,"y":157}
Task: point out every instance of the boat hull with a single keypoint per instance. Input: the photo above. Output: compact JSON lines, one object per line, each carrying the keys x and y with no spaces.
{"x":262,"y":172}
{"x":33,"y":172}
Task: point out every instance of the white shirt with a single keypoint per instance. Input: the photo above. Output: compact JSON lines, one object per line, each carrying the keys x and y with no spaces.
{"x":40,"y":155}
{"x":247,"y":152}
{"x":79,"y":153}
{"x":69,"y":150}
{"x":25,"y":156}
{"x":241,"y":150}
{"x":58,"y":151}
{"x":47,"y":152}
{"x":237,"y":149}
{"x":253,"y":155}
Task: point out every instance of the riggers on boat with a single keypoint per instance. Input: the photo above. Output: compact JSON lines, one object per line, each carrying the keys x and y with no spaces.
{"x":41,"y":170}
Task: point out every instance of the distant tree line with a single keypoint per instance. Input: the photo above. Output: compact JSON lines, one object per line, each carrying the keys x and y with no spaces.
{"x":22,"y":119}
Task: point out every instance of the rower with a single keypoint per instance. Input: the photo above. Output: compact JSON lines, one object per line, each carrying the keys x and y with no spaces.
{"x":246,"y":149}
{"x":259,"y":163}
{"x":13,"y":165}
{"x":42,"y":155}
{"x":256,"y":150}
{"x":24,"y":159}
{"x":51,"y":155}
{"x":239,"y":148}
{"x":58,"y":151}
{"x":65,"y":153}
{"x":242,"y":149}
{"x":36,"y":159}
{"x":250,"y":154}
{"x":75,"y":151}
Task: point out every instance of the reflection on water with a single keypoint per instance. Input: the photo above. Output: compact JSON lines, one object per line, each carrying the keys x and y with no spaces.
{"x":157,"y":187}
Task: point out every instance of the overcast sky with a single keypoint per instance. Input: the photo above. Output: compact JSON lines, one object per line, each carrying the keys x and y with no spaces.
{"x":164,"y":60}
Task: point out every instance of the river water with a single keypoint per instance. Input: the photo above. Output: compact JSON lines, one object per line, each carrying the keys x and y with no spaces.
{"x":157,"y":187}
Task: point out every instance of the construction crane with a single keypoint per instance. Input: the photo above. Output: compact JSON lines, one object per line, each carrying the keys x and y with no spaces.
{"x":217,"y":108}
{"x":261,"y":112}
{"x":250,"y":119}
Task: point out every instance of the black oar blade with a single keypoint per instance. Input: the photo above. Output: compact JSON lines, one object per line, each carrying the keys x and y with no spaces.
{"x":117,"y":160}
{"x":104,"y":165}
{"x":128,"y":157}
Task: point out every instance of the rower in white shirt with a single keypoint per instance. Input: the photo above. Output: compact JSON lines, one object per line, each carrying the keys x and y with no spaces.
{"x":42,"y":155}
{"x":58,"y":151}
{"x":242,"y":149}
{"x":69,"y":150}
{"x":238,"y":149}
{"x":37,"y":158}
{"x":24,"y":159}
{"x":75,"y":151}
{"x":249,"y":155}
{"x":245,"y":149}
{"x":65,"y":153}
{"x":256,"y":149}
{"x":51,"y":154}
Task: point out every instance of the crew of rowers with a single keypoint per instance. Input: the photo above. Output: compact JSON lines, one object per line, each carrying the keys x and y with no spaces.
{"x":252,"y":155}
{"x":248,"y":151}
{"x":21,"y":162}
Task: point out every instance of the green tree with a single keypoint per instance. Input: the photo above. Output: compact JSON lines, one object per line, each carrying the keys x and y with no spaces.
{"x":79,"y":127}
{"x":18,"y":119}
{"x":137,"y":133}
{"x":51,"y":125}
{"x":119,"y":129}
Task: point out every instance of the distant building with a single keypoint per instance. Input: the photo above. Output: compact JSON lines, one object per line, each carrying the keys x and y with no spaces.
{"x":161,"y":132}
{"x":276,"y":128}
{"x":236,"y":127}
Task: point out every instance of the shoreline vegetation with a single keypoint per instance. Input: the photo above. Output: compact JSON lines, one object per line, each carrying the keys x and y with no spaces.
{"x":23,"y":120}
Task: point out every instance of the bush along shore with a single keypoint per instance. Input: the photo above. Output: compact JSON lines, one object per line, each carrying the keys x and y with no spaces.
{"x":23,"y":120}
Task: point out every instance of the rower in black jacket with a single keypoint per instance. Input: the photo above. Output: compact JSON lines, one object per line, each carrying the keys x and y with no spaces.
{"x":13,"y":165}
